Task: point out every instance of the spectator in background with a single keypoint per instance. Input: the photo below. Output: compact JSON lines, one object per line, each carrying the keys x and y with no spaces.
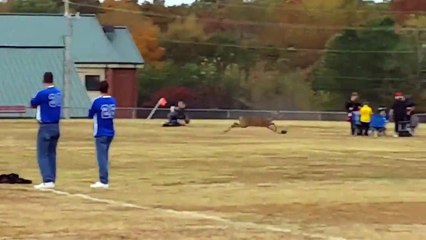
{"x":400,"y":111}
{"x":366,"y":111}
{"x":378,"y":122}
{"x":411,"y":107}
{"x":351,"y":106}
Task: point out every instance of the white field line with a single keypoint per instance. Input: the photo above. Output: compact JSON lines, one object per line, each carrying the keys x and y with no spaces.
{"x":198,"y":215}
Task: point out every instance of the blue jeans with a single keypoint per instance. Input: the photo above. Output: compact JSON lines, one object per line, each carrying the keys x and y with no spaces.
{"x":47,"y":141}
{"x":102,"y":152}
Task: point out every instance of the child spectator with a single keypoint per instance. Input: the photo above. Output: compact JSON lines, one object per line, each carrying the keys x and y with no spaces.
{"x":365,"y":118}
{"x":379,"y":121}
{"x":356,"y":124}
{"x":351,"y":107}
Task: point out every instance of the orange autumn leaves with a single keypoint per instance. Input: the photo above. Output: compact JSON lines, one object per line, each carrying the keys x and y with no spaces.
{"x":145,"y":34}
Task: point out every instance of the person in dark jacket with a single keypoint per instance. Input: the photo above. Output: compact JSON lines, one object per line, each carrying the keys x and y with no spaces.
{"x":181,"y":113}
{"x":177,"y":116}
{"x":401,"y":111}
{"x":351,"y":106}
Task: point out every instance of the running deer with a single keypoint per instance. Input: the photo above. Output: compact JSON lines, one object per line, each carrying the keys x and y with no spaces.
{"x":252,"y":121}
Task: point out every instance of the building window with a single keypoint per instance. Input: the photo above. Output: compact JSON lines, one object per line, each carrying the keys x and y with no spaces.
{"x":92,"y":82}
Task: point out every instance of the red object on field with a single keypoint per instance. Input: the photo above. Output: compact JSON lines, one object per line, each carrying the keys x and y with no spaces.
{"x":399,"y":94}
{"x":162,"y":101}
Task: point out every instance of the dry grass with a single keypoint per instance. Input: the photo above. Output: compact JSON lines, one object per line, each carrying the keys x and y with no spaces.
{"x":314,"y":180}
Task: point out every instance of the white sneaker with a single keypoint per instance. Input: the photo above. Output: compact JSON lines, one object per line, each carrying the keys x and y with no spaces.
{"x":396,"y":135}
{"x":47,"y":185}
{"x":99,"y":185}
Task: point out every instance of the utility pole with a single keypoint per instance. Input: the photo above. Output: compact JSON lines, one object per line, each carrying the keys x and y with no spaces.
{"x":67,"y":63}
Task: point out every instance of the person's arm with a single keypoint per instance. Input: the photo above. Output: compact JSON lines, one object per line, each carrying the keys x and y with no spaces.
{"x":36,"y":100}
{"x":347,"y":106}
{"x":410,"y":107}
{"x":391,"y":112}
{"x":92,"y":110}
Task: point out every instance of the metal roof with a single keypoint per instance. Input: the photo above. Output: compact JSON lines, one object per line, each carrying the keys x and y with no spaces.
{"x":89,"y":42}
{"x":21,"y":72}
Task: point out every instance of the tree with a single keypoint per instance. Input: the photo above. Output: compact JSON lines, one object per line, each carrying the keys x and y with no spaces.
{"x":375,"y":61}
{"x":273,"y":90}
{"x":145,"y":34}
{"x":34,"y":6}
{"x":85,"y":6}
{"x":184,"y":31}
{"x":5,"y":6}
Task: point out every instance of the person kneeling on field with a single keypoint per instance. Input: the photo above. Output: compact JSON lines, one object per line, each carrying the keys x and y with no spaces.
{"x":378,"y":122}
{"x":177,"y":116}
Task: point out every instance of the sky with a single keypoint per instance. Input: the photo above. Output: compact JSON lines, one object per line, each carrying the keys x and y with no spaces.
{"x":168,"y":2}
{"x":179,"y":2}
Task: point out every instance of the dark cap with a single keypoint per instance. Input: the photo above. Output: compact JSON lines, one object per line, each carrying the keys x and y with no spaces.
{"x":48,"y":77}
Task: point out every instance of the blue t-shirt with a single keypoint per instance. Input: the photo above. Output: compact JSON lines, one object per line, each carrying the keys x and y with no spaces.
{"x":378,"y":121}
{"x":48,"y":103}
{"x":103,"y":114}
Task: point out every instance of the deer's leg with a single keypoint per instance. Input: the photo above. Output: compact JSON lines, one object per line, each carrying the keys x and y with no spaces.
{"x":231,"y":127}
{"x":273,"y":127}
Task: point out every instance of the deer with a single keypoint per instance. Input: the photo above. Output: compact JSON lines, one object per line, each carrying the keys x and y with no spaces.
{"x":253,"y":121}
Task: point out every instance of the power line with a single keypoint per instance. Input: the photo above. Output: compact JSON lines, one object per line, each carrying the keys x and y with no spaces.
{"x":249,"y":23}
{"x":304,"y":8}
{"x":251,"y":47}
{"x":366,"y":79}
{"x":280,"y":48}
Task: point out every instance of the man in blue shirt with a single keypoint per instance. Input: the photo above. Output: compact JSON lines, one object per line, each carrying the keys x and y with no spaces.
{"x":103,"y":113}
{"x":48,"y":104}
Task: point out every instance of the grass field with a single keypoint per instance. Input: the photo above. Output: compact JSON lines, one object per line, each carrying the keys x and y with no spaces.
{"x":316,"y":182}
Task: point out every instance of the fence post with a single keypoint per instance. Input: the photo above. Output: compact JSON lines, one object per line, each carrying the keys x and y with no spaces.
{"x":134,"y":110}
{"x":228,"y":114}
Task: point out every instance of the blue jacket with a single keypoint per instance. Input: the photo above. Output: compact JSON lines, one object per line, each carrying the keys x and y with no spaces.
{"x":378,"y":121}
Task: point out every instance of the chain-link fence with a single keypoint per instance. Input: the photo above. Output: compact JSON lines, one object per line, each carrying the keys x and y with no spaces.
{"x":161,"y":113}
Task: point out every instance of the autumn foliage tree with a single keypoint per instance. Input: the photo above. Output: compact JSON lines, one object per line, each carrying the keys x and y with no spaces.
{"x":145,"y":34}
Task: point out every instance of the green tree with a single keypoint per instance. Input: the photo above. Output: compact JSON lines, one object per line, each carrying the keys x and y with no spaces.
{"x":375,"y":61}
{"x":34,"y":6}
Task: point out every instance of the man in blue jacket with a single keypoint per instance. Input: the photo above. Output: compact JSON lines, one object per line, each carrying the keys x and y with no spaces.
{"x":48,"y":104}
{"x":103,"y":114}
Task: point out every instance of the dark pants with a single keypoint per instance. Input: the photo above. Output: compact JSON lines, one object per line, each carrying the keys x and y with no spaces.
{"x":399,"y":123}
{"x":364,"y":128}
{"x":47,"y":141}
{"x":353,"y":128}
{"x":397,"y":126}
{"x":102,"y":150}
